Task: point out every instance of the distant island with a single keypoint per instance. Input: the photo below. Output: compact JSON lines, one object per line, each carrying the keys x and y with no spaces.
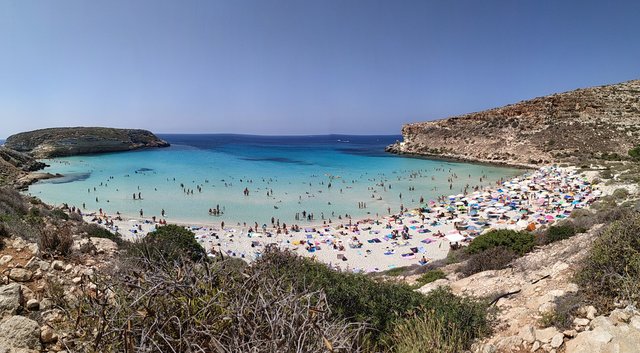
{"x":596,"y":123}
{"x":71,"y":141}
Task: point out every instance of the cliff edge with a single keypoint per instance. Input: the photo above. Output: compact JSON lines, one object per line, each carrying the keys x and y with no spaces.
{"x":584,"y":124}
{"x":60,"y":142}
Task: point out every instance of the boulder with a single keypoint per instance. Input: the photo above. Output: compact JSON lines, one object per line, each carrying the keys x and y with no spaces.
{"x":33,"y":304}
{"x":528,"y":334}
{"x":20,"y":275}
{"x":58,"y":265}
{"x":20,"y":332}
{"x":10,"y":299}
{"x":5,"y":259}
{"x":545,"y":335}
{"x":104,"y":246}
{"x":47,"y":335}
{"x":557,"y":340}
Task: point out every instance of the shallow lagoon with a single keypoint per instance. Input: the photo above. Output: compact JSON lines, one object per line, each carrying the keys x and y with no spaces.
{"x":294,"y":170}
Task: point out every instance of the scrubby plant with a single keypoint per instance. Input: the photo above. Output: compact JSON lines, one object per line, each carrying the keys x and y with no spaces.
{"x":611,"y":270}
{"x":620,"y":193}
{"x":12,"y":203}
{"x":566,"y":308}
{"x":95,"y":231}
{"x":168,"y":244}
{"x":519,"y":242}
{"x":495,"y":258}
{"x":431,"y":276}
{"x":634,"y":153}
{"x":60,"y":214}
{"x":561,"y":231}
{"x":449,"y":324}
{"x":53,"y":242}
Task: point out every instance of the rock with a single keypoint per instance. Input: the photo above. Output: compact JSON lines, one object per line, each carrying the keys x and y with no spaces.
{"x":557,"y":340}
{"x":68,"y":268}
{"x":580,"y":322}
{"x":547,"y":307}
{"x":58,"y":265}
{"x":46,"y":303}
{"x":509,"y":344}
{"x":620,"y":316}
{"x":84,"y":246}
{"x":591,"y":312}
{"x":20,"y":275}
{"x":44,"y":266}
{"x":33,"y":304}
{"x":47,"y":335}
{"x":528,"y":334}
{"x":570,"y":333}
{"x":10,"y":299}
{"x":545,"y":335}
{"x":635,"y":322}
{"x":76,"y":280}
{"x":5,"y":259}
{"x":58,"y":142}
{"x":20,"y":332}
{"x":536,"y":346}
{"x":104,"y":246}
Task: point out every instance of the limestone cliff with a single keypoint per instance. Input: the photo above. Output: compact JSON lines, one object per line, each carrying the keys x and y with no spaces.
{"x":59,"y":142}
{"x":585,"y":124}
{"x":16,"y":166}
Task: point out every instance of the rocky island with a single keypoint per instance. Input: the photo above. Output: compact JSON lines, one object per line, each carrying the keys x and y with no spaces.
{"x":584,"y":124}
{"x":70,"y":141}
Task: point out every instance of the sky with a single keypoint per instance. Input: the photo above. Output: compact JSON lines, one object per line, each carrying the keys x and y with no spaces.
{"x":284,"y":67}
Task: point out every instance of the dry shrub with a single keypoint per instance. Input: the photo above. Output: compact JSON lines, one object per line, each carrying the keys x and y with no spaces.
{"x":206,"y":307}
{"x":53,"y":242}
{"x":12,"y":203}
{"x":495,"y":258}
{"x":611,"y":270}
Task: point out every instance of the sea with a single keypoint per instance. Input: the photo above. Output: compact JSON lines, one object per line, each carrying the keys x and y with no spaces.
{"x":259,"y":179}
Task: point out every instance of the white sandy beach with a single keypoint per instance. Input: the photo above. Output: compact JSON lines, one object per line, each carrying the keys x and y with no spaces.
{"x":425,"y":233}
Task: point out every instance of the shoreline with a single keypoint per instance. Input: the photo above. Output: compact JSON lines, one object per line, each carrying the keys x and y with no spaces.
{"x":377,"y":244}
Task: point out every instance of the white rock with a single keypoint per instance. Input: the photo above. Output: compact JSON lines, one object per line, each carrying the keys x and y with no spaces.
{"x":528,"y":334}
{"x":5,"y":259}
{"x":580,"y":322}
{"x":545,"y":335}
{"x":591,"y":312}
{"x":20,"y":332}
{"x":10,"y":299}
{"x":33,"y":304}
{"x":557,"y":340}
{"x":58,"y":265}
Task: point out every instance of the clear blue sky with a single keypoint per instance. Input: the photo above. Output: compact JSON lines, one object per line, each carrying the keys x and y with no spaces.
{"x":298,"y":67}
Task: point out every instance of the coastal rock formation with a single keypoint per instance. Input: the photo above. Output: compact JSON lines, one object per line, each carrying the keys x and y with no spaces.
{"x":16,"y":166}
{"x":596,"y":122}
{"x":59,"y":142}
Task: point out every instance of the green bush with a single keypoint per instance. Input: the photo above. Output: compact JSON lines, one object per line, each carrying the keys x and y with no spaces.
{"x":430,"y":276}
{"x":620,"y":193}
{"x":519,"y":242}
{"x":611,"y":270}
{"x":59,"y":214}
{"x":635,"y":153}
{"x":169,"y":244}
{"x":564,"y":313}
{"x":95,"y":231}
{"x":495,"y":258}
{"x":448,"y":325}
{"x":54,"y":242}
{"x":560,"y":232}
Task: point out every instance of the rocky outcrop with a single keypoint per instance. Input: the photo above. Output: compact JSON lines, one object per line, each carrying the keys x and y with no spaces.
{"x":596,"y":122}
{"x":59,"y":142}
{"x":16,"y":165}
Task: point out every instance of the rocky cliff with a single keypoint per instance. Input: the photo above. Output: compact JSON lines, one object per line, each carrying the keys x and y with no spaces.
{"x":15,"y":168}
{"x":585,"y":124}
{"x":59,"y":142}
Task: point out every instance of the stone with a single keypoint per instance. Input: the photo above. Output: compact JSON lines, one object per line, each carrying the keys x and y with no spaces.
{"x":635,"y":322}
{"x":528,"y":334}
{"x":47,"y":335}
{"x":545,"y":335}
{"x":570,"y":333}
{"x":433,"y":285}
{"x":508,"y":344}
{"x":10,"y":299}
{"x":547,"y":307}
{"x":620,"y":316}
{"x":536,"y":346}
{"x":580,"y":322}
{"x":591,"y":312}
{"x":104,"y":246}
{"x":46,"y":303}
{"x":20,"y":275}
{"x":76,"y":280}
{"x":557,"y":340}
{"x":68,"y":268}
{"x":33,"y":304}
{"x":27,"y":293}
{"x":58,"y":265}
{"x":5,"y":259}
{"x":20,"y":332}
{"x":44,"y":266}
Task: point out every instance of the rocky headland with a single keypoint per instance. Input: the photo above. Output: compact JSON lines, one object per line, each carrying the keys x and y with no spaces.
{"x":70,"y":141}
{"x":584,"y":124}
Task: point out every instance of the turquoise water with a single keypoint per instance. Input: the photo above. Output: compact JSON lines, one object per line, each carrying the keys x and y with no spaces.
{"x":284,"y":176}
